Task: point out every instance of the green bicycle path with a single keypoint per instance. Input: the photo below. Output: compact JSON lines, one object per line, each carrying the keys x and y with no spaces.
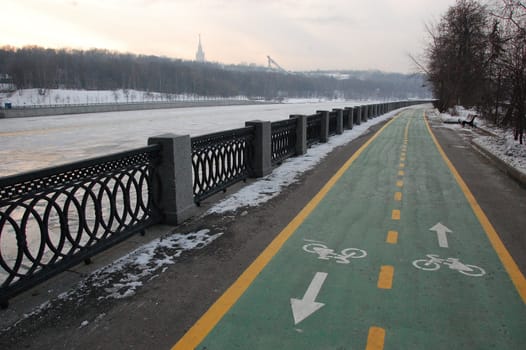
{"x":398,"y":202}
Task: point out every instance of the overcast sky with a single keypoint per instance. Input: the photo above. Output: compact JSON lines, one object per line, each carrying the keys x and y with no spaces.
{"x":298,"y":34}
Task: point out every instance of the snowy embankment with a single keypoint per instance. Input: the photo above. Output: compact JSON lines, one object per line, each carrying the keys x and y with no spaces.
{"x":49,"y":97}
{"x":500,"y":144}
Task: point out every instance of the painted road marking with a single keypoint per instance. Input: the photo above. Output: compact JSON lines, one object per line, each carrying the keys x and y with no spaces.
{"x":385,"y":279}
{"x":441,"y":232}
{"x":511,"y":267}
{"x":375,"y":339}
{"x":401,"y":173}
{"x":398,"y":196}
{"x":261,"y":319}
{"x":433,"y":262}
{"x":303,"y":308}
{"x":402,"y":165}
{"x":392,"y":237}
{"x":400,"y":183}
{"x":395,"y":215}
{"x":325,"y":253}
{"x":213,"y":315}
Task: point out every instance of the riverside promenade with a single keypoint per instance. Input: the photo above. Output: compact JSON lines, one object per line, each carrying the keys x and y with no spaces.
{"x":403,"y":239}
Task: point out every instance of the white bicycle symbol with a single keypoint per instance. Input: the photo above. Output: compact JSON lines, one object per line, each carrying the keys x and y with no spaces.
{"x":325,"y":253}
{"x":433,"y":261}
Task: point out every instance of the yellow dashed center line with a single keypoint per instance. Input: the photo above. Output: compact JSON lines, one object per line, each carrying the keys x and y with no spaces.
{"x":395,"y":215}
{"x":392,"y":237}
{"x":401,"y":173}
{"x":385,"y":279}
{"x":375,"y":339}
{"x":400,"y":183}
{"x":398,"y":196}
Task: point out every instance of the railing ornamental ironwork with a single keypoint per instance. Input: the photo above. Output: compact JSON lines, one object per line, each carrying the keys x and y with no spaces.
{"x":313,"y":129}
{"x":220,"y":160}
{"x":54,"y":218}
{"x":283,"y":140}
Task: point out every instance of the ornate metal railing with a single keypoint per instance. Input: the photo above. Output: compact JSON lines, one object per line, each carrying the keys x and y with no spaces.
{"x":333,"y":123}
{"x":54,"y":218}
{"x":219,"y":160}
{"x":283,"y":140}
{"x":313,"y":129}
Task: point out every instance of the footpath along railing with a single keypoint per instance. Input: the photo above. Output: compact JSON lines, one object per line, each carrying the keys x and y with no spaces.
{"x":55,"y":218}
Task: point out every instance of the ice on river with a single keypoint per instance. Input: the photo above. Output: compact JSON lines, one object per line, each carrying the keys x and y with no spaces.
{"x":32,"y":143}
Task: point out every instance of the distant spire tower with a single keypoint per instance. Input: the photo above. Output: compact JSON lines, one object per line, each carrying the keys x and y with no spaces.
{"x":200,"y":54}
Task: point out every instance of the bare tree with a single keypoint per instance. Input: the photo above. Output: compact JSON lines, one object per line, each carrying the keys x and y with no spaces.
{"x":458,"y":55}
{"x":510,"y":16}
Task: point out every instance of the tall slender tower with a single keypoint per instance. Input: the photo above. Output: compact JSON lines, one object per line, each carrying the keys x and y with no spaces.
{"x":200,"y":54}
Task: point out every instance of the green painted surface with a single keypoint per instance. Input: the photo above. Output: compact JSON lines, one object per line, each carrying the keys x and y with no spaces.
{"x":440,"y":309}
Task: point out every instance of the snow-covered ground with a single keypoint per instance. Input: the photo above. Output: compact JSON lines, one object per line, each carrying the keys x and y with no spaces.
{"x":121,"y":278}
{"x":501,"y":144}
{"x":47,"y":97}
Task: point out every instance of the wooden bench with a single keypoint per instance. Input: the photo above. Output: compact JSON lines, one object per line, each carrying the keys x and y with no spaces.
{"x":470,"y":122}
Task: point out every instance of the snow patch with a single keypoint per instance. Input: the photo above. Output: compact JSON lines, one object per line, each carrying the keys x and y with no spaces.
{"x":502,"y":145}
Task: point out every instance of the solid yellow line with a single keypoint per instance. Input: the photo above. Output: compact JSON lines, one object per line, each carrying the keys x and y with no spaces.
{"x":213,"y":315}
{"x":505,"y":257}
{"x":395,"y":215}
{"x":398,"y":196}
{"x":392,"y":237}
{"x":385,"y":279}
{"x":375,"y":339}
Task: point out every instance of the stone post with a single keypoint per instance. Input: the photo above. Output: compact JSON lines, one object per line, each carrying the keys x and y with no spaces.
{"x":324,"y":137}
{"x":364,"y":113}
{"x":262,"y":160}
{"x":339,"y":120}
{"x":357,"y":116}
{"x":173,"y":192}
{"x":348,"y":117}
{"x":301,"y":134}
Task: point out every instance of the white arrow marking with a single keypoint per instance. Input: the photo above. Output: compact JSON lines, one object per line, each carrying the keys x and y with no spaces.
{"x":441,"y":231}
{"x":303,"y":308}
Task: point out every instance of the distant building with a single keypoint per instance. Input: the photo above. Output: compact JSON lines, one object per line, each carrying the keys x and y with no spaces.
{"x":200,"y":54}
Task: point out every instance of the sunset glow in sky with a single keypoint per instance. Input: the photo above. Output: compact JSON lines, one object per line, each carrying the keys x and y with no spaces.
{"x":298,"y":34}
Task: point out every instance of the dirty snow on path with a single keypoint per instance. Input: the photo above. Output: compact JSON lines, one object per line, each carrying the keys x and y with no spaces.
{"x":121,"y":278}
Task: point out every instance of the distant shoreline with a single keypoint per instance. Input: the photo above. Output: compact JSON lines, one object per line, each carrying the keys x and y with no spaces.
{"x":41,"y":111}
